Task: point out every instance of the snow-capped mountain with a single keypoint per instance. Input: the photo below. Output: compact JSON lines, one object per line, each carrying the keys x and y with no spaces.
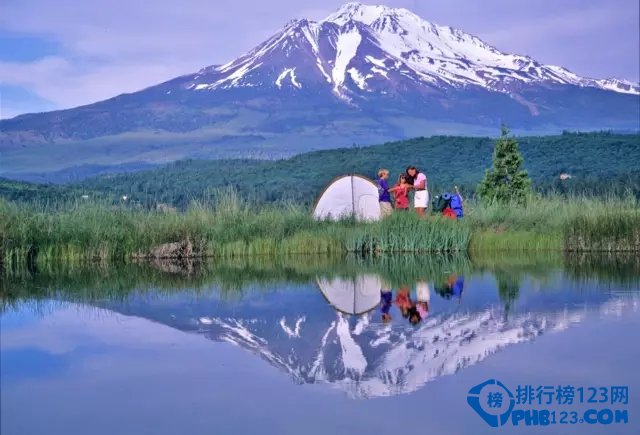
{"x":365,"y":75}
{"x":363,"y":49}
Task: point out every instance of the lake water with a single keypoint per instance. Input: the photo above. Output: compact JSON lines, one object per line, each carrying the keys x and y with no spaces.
{"x":321,"y":346}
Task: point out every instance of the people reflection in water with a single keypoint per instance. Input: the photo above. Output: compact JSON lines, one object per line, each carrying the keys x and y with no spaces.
{"x":423,"y":296}
{"x":403,"y":301}
{"x":457,"y":285}
{"x":453,"y":287}
{"x":414,"y":314}
{"x":386,"y":297}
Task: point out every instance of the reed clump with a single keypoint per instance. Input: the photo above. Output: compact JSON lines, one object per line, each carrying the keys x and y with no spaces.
{"x":406,"y":232}
{"x":614,"y":231}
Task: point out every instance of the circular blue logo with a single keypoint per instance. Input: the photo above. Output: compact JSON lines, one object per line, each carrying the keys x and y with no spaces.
{"x":492,"y":401}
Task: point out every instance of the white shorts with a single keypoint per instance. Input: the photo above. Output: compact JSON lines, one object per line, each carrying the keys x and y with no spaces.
{"x":421,"y":199}
{"x":423,"y":294}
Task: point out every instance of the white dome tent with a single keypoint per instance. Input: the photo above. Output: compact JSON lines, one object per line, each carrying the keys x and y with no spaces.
{"x":356,"y":295}
{"x":349,"y":195}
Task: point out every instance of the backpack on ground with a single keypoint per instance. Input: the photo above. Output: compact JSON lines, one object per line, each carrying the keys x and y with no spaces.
{"x":449,"y":213}
{"x":440,"y":202}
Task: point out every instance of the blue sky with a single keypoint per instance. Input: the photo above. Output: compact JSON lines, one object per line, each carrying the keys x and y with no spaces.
{"x":65,"y":53}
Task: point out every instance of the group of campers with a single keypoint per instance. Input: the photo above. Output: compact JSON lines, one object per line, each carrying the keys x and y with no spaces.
{"x":412,"y":180}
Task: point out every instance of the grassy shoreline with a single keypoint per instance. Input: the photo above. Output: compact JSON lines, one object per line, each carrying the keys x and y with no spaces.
{"x":230,"y":227}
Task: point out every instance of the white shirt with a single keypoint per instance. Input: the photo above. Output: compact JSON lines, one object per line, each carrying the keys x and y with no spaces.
{"x":420,"y":177}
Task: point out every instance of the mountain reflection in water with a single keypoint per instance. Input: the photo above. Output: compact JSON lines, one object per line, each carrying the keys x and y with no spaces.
{"x":327,"y":327}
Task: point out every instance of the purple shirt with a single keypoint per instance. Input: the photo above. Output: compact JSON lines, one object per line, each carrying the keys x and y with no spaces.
{"x":383,"y":191}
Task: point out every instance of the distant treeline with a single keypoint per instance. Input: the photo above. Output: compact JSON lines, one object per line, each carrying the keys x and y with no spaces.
{"x":598,"y":164}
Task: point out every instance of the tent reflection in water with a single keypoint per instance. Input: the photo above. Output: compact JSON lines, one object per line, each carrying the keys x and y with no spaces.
{"x":356,"y":295}
{"x":346,"y":196}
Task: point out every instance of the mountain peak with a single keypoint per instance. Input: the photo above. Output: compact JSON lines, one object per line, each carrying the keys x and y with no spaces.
{"x":366,"y":14}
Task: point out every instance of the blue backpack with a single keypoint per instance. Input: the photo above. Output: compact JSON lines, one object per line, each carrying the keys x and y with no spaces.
{"x":456,"y":205}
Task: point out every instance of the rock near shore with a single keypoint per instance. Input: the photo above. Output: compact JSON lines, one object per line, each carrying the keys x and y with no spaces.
{"x":182,"y":249}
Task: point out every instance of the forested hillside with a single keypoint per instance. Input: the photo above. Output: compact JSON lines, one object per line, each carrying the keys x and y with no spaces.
{"x":598,"y":163}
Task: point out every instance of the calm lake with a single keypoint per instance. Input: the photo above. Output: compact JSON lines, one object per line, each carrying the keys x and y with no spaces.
{"x":323,"y":346}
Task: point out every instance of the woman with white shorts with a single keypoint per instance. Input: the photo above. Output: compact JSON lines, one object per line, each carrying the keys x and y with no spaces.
{"x":421,"y":196}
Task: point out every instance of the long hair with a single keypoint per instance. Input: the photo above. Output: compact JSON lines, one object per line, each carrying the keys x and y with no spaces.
{"x":410,"y":178}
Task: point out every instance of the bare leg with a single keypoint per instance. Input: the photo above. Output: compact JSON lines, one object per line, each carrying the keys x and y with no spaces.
{"x":420,"y":211}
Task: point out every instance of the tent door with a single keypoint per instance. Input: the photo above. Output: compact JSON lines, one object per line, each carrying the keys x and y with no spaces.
{"x":368,"y":207}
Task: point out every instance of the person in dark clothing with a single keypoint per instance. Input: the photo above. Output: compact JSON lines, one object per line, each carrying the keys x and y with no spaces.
{"x":386,"y":298}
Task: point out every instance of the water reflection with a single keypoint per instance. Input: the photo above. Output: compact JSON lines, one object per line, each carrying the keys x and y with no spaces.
{"x":370,"y":356}
{"x":369,"y":327}
{"x":355,"y":295}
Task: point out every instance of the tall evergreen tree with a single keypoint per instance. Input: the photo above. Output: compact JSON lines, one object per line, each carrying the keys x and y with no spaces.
{"x":506,"y":180}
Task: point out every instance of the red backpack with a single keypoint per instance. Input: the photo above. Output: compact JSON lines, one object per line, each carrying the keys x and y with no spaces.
{"x":449,"y":213}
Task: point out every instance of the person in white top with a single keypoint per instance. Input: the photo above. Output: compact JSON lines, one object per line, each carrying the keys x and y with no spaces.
{"x":423,"y":296}
{"x":421,"y":196}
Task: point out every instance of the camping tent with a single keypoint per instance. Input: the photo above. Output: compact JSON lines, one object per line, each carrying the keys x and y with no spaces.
{"x":355,"y":295}
{"x":349,"y":195}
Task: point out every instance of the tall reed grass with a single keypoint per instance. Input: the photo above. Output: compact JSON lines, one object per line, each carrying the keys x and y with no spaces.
{"x":613,"y":231}
{"x":405,"y":232}
{"x":229,"y":226}
{"x":550,"y":223}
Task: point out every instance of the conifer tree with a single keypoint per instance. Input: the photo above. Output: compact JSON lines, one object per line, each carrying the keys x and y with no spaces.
{"x":506,"y":180}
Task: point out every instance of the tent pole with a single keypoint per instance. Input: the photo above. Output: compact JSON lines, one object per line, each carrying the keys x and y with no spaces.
{"x":353,"y":199}
{"x":354,"y":296}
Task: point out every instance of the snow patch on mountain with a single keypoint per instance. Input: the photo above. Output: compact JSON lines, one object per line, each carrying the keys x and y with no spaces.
{"x":352,"y":357}
{"x":346,"y":48}
{"x":316,"y":370}
{"x":291,"y":333}
{"x":616,"y":85}
{"x":380,"y":71}
{"x":359,"y":79}
{"x":376,"y":62}
{"x":291,"y":73}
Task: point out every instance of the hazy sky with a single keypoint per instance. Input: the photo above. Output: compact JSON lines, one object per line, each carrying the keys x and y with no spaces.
{"x":63,"y":53}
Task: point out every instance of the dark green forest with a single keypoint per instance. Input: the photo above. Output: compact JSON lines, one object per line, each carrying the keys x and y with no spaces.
{"x":599,"y":164}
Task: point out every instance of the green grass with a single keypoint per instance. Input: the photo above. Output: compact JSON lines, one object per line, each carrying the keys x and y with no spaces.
{"x":613,"y":231}
{"x":515,"y":240}
{"x":404,"y":232}
{"x":228,"y":226}
{"x":553,"y":223}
